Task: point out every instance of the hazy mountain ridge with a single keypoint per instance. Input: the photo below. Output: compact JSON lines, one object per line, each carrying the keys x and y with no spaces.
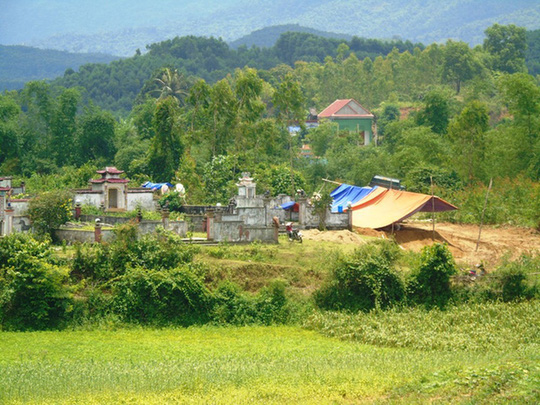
{"x":267,"y":37}
{"x":20,"y":64}
{"x":120,"y":26}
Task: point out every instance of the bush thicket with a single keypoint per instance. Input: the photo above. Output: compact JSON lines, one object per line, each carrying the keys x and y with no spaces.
{"x":363,"y":281}
{"x":430,"y":282}
{"x":34,"y":293}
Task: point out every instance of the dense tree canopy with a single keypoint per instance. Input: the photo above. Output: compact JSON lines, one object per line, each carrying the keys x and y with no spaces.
{"x":444,"y":111}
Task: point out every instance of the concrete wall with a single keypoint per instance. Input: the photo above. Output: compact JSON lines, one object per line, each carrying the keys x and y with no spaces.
{"x":236,"y":231}
{"x":21,"y":223}
{"x":333,"y":220}
{"x":196,"y":223}
{"x":19,"y":206}
{"x":94,"y":199}
{"x":178,"y":227}
{"x":146,"y":226}
{"x":105,"y":219}
{"x":77,"y":235}
{"x":143,"y":199}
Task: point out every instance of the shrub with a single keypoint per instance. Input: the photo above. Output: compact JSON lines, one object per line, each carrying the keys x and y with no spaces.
{"x":363,"y":281}
{"x":50,"y":210}
{"x":430,"y":282}
{"x":173,"y":200}
{"x":33,"y":291}
{"x":164,"y":250}
{"x":20,"y":246}
{"x":90,"y":261}
{"x":34,"y":295}
{"x":511,"y":279}
{"x":272,"y":305}
{"x":175,"y":296}
{"x":232,"y":306}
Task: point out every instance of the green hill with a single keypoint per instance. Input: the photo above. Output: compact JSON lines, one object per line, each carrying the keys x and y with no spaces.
{"x":20,"y":64}
{"x":267,"y":37}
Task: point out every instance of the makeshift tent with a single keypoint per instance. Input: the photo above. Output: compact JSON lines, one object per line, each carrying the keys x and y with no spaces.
{"x":390,"y":206}
{"x":156,"y":186}
{"x":346,"y":193}
{"x":291,"y":205}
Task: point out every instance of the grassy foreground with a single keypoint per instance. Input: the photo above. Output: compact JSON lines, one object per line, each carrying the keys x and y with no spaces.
{"x":280,"y":364}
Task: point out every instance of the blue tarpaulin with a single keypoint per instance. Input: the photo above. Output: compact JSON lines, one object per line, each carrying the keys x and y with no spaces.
{"x":156,"y":186}
{"x":346,"y":193}
{"x":288,"y":205}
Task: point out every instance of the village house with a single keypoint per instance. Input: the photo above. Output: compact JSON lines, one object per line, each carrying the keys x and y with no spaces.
{"x":351,"y":116}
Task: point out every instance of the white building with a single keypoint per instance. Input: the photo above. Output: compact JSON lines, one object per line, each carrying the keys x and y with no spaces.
{"x":112,"y":193}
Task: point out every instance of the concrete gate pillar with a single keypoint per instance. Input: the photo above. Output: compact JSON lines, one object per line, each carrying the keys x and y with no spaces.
{"x":302,"y":211}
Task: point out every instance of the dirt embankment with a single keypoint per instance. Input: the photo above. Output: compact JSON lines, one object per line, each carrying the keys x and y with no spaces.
{"x":495,"y":242}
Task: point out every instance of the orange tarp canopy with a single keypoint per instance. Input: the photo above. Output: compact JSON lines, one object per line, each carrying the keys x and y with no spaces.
{"x":389,"y":206}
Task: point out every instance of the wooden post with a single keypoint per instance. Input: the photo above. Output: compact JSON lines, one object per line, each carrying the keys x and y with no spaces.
{"x":483,"y":212}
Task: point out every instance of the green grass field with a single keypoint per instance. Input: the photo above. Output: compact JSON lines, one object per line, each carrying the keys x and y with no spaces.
{"x":286,"y":364}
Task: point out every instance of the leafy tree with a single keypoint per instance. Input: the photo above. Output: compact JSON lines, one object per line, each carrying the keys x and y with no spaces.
{"x":321,"y":137}
{"x":166,"y":148}
{"x":389,"y":114}
{"x":50,"y":210}
{"x":9,"y":112}
{"x":459,"y":63}
{"x":507,"y":45}
{"x":436,"y":113}
{"x":467,"y":133}
{"x":64,"y":127}
{"x":198,"y":99}
{"x":522,"y":95}
{"x":418,"y":147}
{"x":220,"y":176}
{"x":96,"y":137}
{"x":277,"y":179}
{"x":143,"y":115}
{"x":223,"y":113}
{"x":248,"y":89}
{"x":289,"y":103}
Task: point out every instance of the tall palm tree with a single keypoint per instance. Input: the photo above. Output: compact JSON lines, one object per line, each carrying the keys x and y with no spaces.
{"x":171,"y":83}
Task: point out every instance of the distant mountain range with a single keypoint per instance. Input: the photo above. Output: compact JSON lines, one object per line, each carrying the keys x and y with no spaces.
{"x":267,"y":37}
{"x":20,"y":64}
{"x":119,"y":27}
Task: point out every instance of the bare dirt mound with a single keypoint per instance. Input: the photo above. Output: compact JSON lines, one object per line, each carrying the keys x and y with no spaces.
{"x":333,"y":236}
{"x":495,"y":242}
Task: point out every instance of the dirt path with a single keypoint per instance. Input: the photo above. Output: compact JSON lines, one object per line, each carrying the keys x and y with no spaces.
{"x":496,"y":242}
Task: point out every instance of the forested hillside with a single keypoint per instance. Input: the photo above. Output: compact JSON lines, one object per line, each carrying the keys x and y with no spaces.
{"x":267,"y":37}
{"x":532,"y":56}
{"x":457,"y":114}
{"x":116,"y":86}
{"x":119,"y":27}
{"x":21,"y":64}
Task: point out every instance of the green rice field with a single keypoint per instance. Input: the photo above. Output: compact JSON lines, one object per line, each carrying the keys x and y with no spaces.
{"x":321,"y":364}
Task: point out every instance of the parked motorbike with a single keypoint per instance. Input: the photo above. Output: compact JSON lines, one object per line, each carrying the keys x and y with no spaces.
{"x":293,"y":234}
